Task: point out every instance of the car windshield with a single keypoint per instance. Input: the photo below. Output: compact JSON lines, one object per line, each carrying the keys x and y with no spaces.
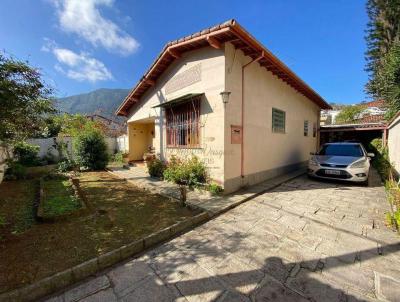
{"x":342,"y":150}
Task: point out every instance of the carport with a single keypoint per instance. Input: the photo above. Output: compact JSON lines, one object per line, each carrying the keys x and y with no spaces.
{"x":363,"y":133}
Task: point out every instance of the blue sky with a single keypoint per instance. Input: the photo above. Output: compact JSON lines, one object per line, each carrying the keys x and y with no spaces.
{"x":84,"y":45}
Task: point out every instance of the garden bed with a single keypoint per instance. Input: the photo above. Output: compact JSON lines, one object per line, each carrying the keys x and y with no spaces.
{"x":119,"y":213}
{"x":59,"y":198}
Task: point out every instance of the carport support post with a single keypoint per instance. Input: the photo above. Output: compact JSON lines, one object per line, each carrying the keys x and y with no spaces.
{"x":384,"y":137}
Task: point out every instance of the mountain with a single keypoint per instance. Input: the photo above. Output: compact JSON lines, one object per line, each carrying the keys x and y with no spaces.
{"x":101,"y":101}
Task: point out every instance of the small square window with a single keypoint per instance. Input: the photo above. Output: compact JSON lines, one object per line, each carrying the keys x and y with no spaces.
{"x":305,"y":128}
{"x":278,"y":120}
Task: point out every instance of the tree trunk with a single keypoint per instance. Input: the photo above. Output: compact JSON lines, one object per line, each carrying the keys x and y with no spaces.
{"x":183,"y":191}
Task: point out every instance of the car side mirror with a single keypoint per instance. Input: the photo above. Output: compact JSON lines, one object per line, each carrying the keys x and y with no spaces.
{"x":371,"y":155}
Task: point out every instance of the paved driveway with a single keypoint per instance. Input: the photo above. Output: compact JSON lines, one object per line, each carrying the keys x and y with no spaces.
{"x":306,"y":240}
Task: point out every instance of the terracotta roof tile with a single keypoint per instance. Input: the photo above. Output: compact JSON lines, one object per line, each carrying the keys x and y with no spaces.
{"x":224,"y":32}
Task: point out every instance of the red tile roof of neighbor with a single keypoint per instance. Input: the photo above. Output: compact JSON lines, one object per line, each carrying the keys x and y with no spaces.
{"x":215,"y":36}
{"x":371,"y":119}
{"x":375,"y":103}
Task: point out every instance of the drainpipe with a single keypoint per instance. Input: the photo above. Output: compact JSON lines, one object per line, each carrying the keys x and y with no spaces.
{"x":242,"y":118}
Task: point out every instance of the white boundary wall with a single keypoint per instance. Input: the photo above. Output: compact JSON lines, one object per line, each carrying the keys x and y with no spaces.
{"x":3,"y":157}
{"x":47,"y":146}
{"x":394,"y":143}
{"x":122,"y":143}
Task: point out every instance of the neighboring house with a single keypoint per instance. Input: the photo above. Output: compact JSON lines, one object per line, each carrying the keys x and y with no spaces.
{"x":328,"y":117}
{"x":221,"y":95}
{"x":373,"y":111}
{"x":377,"y":107}
{"x":111,"y":127}
{"x":393,"y":141}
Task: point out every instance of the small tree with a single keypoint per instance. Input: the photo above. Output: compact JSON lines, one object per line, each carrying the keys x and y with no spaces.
{"x":349,"y":114}
{"x":25,"y":101}
{"x":191,"y":172}
{"x":26,"y":154}
{"x":91,"y":150}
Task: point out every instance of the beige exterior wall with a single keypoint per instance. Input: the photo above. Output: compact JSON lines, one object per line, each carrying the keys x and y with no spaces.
{"x":266,"y":154}
{"x":394,"y":143}
{"x":211,"y":63}
{"x":141,"y":137}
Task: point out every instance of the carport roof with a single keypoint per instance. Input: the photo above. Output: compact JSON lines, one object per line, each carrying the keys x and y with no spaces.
{"x":353,"y":127}
{"x":215,"y":36}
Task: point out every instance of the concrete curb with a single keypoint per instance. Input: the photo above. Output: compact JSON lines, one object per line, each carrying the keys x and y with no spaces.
{"x":89,"y":268}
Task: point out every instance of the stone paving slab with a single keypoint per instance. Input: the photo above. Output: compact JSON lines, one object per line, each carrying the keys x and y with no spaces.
{"x":282,"y":245}
{"x":198,"y":199}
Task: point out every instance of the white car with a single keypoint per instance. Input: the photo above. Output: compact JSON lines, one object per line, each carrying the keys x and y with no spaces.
{"x":345,"y":161}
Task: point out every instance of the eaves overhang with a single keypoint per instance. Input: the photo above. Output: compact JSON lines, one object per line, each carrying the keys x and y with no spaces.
{"x":216,"y":36}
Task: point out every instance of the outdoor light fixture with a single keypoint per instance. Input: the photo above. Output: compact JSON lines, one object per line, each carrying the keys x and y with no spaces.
{"x":225,"y":96}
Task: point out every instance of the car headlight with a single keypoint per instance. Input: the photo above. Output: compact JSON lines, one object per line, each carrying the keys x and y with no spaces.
{"x":313,"y":161}
{"x":359,"y":164}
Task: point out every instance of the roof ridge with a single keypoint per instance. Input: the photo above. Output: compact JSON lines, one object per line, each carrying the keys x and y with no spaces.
{"x":228,"y":31}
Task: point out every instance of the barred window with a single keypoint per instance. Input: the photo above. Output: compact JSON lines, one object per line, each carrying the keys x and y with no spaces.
{"x":278,"y":120}
{"x":305,"y":128}
{"x":183,"y":124}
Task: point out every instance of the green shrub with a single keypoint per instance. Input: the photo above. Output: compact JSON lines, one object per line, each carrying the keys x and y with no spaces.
{"x":49,"y":158}
{"x":191,"y":172}
{"x":2,"y":221}
{"x":156,"y":167}
{"x":91,"y":150}
{"x":66,"y":165}
{"x":118,"y":157}
{"x":215,"y":189}
{"x":26,"y":154}
{"x":15,"y":170}
{"x":375,"y":145}
{"x":381,"y":160}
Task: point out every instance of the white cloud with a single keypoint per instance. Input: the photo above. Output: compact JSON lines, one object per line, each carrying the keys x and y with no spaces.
{"x":83,"y":18}
{"x":80,"y":67}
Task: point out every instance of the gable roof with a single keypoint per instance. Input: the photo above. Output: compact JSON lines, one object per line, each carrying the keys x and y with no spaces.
{"x":229,"y":31}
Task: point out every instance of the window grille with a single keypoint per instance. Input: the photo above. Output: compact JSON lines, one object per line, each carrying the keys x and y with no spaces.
{"x":278,"y":120}
{"x":183,"y":124}
{"x":305,"y":128}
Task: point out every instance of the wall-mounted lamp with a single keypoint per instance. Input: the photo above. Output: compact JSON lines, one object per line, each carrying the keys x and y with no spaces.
{"x":225,"y":96}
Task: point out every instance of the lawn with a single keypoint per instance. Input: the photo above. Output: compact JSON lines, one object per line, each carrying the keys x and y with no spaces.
{"x":118,"y":213}
{"x":58,"y":197}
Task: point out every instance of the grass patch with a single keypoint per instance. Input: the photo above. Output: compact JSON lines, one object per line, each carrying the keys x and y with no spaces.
{"x":24,"y":219}
{"x":59,"y":197}
{"x":393,"y":193}
{"x":17,"y":206}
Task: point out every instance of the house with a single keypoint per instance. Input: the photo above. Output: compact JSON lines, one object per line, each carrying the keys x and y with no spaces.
{"x":373,"y":108}
{"x":111,"y":128}
{"x":221,"y":95}
{"x":328,"y":117}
